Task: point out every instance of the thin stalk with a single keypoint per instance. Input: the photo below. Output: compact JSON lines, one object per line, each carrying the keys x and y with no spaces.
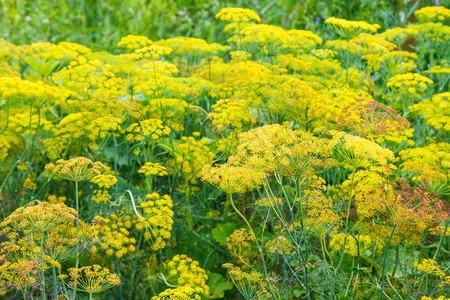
{"x":385,"y":260}
{"x":120,"y":275}
{"x":346,"y":221}
{"x":256,"y":241}
{"x":133,"y":274}
{"x":77,"y":261}
{"x":43,"y":295}
{"x":347,"y":61}
{"x":226,"y":208}
{"x":441,"y":242}
{"x":55,"y":282}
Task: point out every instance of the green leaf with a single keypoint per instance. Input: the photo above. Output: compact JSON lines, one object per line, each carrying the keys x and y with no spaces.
{"x":217,"y":285}
{"x":222,"y":231}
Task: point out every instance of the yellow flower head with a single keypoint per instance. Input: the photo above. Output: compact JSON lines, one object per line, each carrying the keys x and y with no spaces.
{"x":237,"y":15}
{"x":348,"y":29}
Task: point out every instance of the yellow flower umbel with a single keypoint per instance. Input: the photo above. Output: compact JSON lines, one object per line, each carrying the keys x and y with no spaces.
{"x":411,"y":85}
{"x":357,"y":152}
{"x":349,"y":29}
{"x":76,"y":169}
{"x":153,"y":169}
{"x":180,"y":293}
{"x":115,"y":236}
{"x":153,"y":52}
{"x":250,"y":284}
{"x":237,"y":15}
{"x":359,"y":245}
{"x":104,"y":182}
{"x":431,"y":163}
{"x":232,"y":113}
{"x":157,"y":219}
{"x":147,"y":131}
{"x":92,"y":279}
{"x":233,"y":179}
{"x":40,"y":218}
{"x":432,"y":14}
{"x":134,"y":42}
{"x":183,"y":271}
{"x":436,"y":111}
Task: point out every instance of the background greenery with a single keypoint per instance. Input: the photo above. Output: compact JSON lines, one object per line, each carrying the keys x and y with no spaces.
{"x":100,"y":24}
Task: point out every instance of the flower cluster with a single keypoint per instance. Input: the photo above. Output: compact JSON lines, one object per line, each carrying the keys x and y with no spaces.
{"x":114,"y":234}
{"x":184,"y":271}
{"x":157,"y":219}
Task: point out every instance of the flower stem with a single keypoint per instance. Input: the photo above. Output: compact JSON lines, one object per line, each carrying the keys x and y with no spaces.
{"x":385,"y":260}
{"x":256,"y":241}
{"x":43,"y":294}
{"x":77,"y":261}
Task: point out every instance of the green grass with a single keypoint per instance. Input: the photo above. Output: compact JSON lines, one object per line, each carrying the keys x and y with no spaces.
{"x":100,"y":24}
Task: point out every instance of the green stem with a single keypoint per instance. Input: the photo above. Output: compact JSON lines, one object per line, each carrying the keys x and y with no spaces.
{"x":55,"y":283}
{"x":349,"y":203}
{"x":347,"y":62}
{"x":346,"y":221}
{"x":43,"y":294}
{"x":77,"y":261}
{"x":256,"y":241}
{"x":385,"y":260}
{"x":226,"y":209}
{"x":441,"y":242}
{"x":188,"y":208}
{"x":120,"y":275}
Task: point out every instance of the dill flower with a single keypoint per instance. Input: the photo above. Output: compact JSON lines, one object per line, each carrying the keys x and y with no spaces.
{"x":194,"y":46}
{"x":157,"y":219}
{"x":438,"y":298}
{"x":319,"y":215}
{"x":237,"y":15}
{"x":114,"y":233}
{"x":429,"y":165}
{"x":359,"y":245}
{"x":357,"y":152}
{"x":104,"y":180}
{"x":193,"y":155}
{"x":277,"y":149}
{"x":280,"y":245}
{"x":426,"y":265}
{"x":41,"y":217}
{"x":184,"y":271}
{"x":150,"y":169}
{"x":134,"y":42}
{"x":91,"y":279}
{"x":237,"y":56}
{"x":180,"y":293}
{"x":432,"y":14}
{"x":231,"y":112}
{"x":32,"y":92}
{"x":410,"y":83}
{"x":349,"y":29}
{"x":251,"y":284}
{"x":233,"y":179}
{"x":376,"y":122}
{"x":438,"y":70}
{"x":436,"y":111}
{"x":385,"y":203}
{"x":76,"y":169}
{"x":154,"y":51}
{"x":147,"y":130}
{"x":18,"y":274}
{"x":324,"y":53}
{"x":397,"y":35}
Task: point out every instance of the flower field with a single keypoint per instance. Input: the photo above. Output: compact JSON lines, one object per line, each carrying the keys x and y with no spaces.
{"x":278,"y":164}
